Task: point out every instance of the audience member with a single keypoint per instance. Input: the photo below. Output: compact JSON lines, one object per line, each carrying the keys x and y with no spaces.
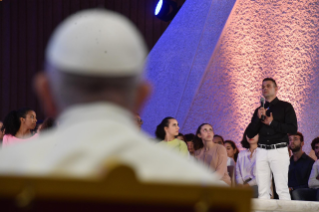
{"x":314,"y":175}
{"x":38,"y":128}
{"x":1,"y":131}
{"x":246,"y":164}
{"x":218,"y":139}
{"x":299,"y":168}
{"x":214,"y":155}
{"x":47,"y":124}
{"x":312,"y":154}
{"x":167,"y":131}
{"x":18,"y":125}
{"x":93,"y":88}
{"x":232,"y":150}
{"x":180,"y":137}
{"x":189,"y":139}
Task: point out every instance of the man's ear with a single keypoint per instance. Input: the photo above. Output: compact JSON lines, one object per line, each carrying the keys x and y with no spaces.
{"x":44,"y":94}
{"x":21,"y":119}
{"x":143,"y":92}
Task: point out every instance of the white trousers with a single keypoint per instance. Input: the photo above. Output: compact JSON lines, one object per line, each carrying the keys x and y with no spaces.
{"x":275,"y":161}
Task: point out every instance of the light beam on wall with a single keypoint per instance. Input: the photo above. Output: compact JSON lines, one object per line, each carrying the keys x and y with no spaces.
{"x":178,"y":60}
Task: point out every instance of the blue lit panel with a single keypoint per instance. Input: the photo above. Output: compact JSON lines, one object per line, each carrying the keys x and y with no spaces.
{"x":178,"y":60}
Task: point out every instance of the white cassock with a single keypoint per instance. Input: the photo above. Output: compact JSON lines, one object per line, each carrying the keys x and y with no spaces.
{"x":87,"y":136}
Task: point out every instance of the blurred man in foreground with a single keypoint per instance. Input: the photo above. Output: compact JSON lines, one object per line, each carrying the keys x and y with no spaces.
{"x":92,"y":84}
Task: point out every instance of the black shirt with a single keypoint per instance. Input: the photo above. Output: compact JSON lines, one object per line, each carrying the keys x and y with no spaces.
{"x":285,"y":121}
{"x":299,"y":171}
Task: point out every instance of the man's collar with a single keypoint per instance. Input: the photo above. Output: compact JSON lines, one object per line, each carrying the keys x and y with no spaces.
{"x":303,"y":156}
{"x":274,"y":102}
{"x":95,"y":111}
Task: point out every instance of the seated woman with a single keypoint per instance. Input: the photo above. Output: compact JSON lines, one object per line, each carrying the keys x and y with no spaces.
{"x":232,"y":150}
{"x":214,"y":155}
{"x":246,"y":164}
{"x":18,"y":125}
{"x":167,"y":131}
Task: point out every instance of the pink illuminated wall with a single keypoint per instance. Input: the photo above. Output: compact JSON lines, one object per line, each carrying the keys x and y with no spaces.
{"x":278,"y":39}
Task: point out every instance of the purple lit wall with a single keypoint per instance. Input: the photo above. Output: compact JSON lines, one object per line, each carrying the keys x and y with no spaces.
{"x":261,"y":39}
{"x":178,"y":60}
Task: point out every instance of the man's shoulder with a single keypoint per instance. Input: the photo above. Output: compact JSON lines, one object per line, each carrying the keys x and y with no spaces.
{"x":308,"y":158}
{"x":284,"y":103}
{"x":291,"y":160}
{"x":19,"y":157}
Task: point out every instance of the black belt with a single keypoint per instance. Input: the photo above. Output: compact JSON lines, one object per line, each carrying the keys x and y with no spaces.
{"x":272,"y":146}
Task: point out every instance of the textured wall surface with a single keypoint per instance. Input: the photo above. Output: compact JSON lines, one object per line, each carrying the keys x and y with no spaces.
{"x":179,"y":59}
{"x":261,"y":39}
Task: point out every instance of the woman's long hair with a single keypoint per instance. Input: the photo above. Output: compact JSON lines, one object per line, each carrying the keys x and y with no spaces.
{"x":12,"y":123}
{"x":160,"y":132}
{"x":198,"y":142}
{"x":233,"y":145}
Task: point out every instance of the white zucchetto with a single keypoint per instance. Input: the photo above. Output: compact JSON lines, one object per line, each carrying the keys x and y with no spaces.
{"x":97,"y":42}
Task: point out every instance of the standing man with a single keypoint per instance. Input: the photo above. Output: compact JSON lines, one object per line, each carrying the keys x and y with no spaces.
{"x":273,"y":123}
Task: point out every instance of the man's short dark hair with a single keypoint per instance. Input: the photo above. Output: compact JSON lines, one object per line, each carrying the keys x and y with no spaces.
{"x":314,"y":142}
{"x":189,"y":137}
{"x":299,"y":134}
{"x":270,"y":79}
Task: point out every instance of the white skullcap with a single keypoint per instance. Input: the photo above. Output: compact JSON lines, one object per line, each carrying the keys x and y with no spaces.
{"x":97,"y":42}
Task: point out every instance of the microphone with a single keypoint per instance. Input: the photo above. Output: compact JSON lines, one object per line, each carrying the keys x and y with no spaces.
{"x":262,"y":103}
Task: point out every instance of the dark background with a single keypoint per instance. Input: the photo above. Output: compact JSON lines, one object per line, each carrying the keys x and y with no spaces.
{"x":25,"y":27}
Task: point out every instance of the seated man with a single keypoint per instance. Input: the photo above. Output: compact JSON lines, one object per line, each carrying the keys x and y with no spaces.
{"x":299,"y":168}
{"x":189,"y":139}
{"x":93,"y":85}
{"x":314,"y":175}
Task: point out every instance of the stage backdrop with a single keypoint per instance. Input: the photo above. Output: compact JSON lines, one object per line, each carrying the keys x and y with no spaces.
{"x":260,"y":39}
{"x":25,"y":27}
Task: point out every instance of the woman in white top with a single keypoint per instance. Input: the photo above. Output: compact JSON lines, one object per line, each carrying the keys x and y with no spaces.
{"x":246,"y":164}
